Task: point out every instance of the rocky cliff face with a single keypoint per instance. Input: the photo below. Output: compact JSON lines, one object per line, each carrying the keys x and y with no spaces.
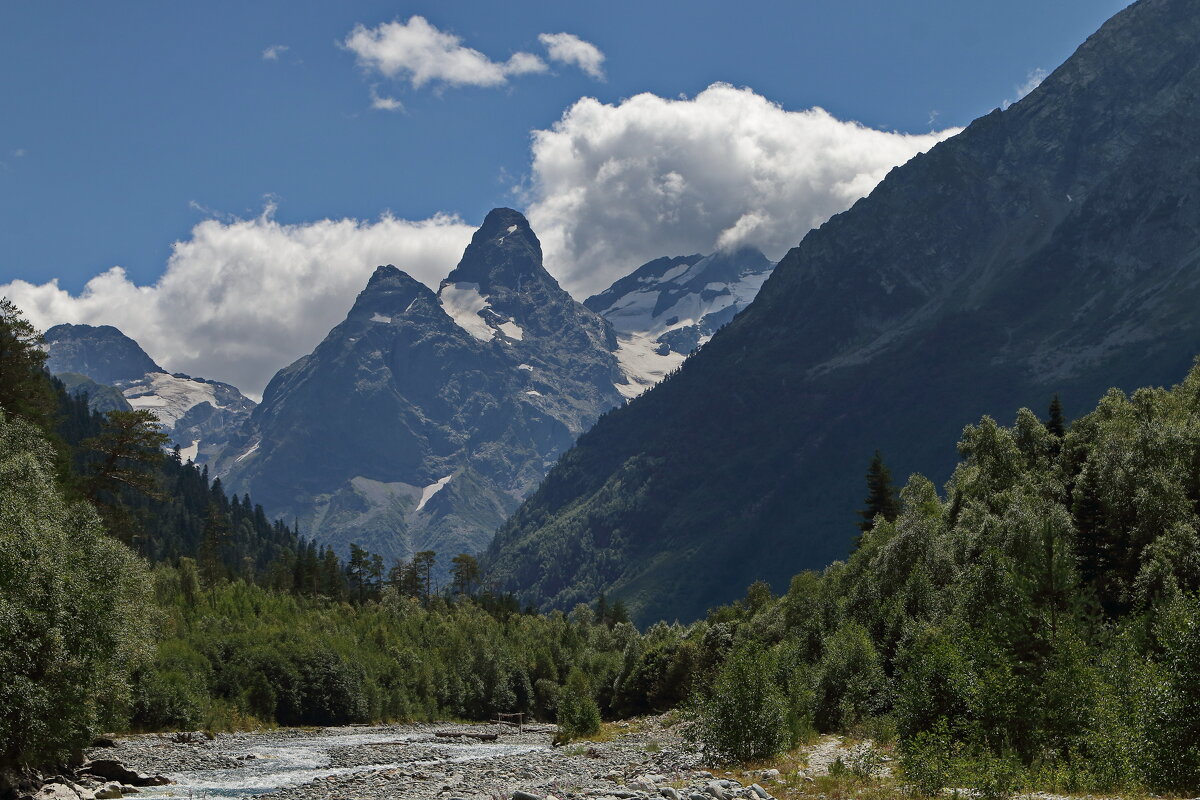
{"x":423,"y":419}
{"x":101,"y":352}
{"x":1051,"y":247}
{"x":198,"y":415}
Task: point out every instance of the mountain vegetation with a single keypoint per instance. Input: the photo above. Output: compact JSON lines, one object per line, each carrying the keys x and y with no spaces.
{"x":1033,"y":623}
{"x":1050,"y":247}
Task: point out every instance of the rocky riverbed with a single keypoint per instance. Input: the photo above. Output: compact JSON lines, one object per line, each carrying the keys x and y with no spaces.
{"x":649,"y":757}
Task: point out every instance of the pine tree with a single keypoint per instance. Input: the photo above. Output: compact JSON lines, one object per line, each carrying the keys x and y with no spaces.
{"x":216,"y":529}
{"x":357,"y":569}
{"x":130,"y":447}
{"x":422,"y":564}
{"x":881,"y":495}
{"x":25,"y":389}
{"x":465,"y":573}
{"x":1055,"y":423}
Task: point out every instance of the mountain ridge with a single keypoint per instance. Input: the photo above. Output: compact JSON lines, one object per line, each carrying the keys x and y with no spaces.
{"x":1044,"y":249}
{"x":199,"y":415}
{"x":422,"y":419}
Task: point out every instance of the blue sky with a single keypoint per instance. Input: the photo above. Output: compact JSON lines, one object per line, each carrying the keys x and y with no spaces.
{"x":125,"y":125}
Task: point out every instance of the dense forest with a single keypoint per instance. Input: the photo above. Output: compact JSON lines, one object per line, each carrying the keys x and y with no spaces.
{"x":1033,"y":623}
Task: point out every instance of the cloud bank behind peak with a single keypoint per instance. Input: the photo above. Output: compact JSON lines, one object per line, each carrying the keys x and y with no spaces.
{"x":610,"y":186}
{"x":615,"y":185}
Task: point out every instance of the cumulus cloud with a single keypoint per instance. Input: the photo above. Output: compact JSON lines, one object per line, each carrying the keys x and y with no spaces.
{"x":570,"y":49}
{"x":419,"y":52}
{"x":613,"y":186}
{"x":273,"y":52}
{"x":384,"y":103}
{"x":240,"y":299}
{"x":610,"y":187}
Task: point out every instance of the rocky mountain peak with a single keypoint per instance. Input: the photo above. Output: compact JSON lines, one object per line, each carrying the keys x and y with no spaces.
{"x":101,"y":352}
{"x":391,"y":292}
{"x":503,"y":254}
{"x":422,"y":419}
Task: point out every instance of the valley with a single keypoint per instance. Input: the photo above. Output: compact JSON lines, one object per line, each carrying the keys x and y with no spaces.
{"x":912,"y":512}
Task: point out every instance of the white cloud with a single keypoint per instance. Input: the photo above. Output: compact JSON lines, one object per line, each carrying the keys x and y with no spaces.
{"x":610,"y":187}
{"x":613,"y":186}
{"x":19,"y":152}
{"x":273,"y":52}
{"x":570,"y":49}
{"x":385,"y":103}
{"x":241,"y":299}
{"x":1032,"y":81}
{"x":419,"y":52}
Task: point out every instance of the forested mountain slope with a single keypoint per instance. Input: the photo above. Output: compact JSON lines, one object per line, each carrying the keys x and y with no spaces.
{"x":1051,"y":247}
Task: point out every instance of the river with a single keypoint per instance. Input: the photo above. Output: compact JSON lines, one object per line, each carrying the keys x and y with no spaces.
{"x":267,"y":762}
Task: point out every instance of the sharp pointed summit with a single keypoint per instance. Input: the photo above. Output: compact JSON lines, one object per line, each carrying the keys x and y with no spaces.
{"x":423,"y":419}
{"x":503,"y":254}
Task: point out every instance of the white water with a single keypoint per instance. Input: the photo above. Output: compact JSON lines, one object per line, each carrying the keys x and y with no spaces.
{"x":280,"y":763}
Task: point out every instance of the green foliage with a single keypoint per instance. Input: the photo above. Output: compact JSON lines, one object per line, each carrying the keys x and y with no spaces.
{"x":25,"y":389}
{"x":743,"y":716}
{"x":927,"y":760}
{"x":74,"y":610}
{"x":850,"y":684}
{"x":578,"y":714}
{"x":881,"y":500}
{"x":1170,"y":704}
{"x":1036,"y":626}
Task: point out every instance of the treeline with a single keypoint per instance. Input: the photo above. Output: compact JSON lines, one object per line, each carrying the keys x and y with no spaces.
{"x":1036,"y":624}
{"x":83,"y":496}
{"x":238,"y":654}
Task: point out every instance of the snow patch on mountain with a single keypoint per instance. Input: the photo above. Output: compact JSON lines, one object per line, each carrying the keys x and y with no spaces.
{"x":667,"y":308}
{"x":429,"y":491}
{"x":249,"y":452}
{"x":463,"y":302}
{"x":377,"y":317}
{"x":512,"y":330}
{"x":187,"y":454}
{"x":168,"y":397}
{"x":641,"y":363}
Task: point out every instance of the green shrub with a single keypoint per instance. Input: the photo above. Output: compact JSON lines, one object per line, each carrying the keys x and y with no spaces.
{"x":1170,"y":702}
{"x":851,"y":685}
{"x":927,"y":760}
{"x":578,"y":714}
{"x":994,"y":778}
{"x":168,"y":700}
{"x":744,"y":717}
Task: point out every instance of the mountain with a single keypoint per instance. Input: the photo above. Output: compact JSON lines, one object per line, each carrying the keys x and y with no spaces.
{"x":1050,"y":247}
{"x":101,"y":397}
{"x":101,"y":352}
{"x":199,"y":415}
{"x":668,"y":307}
{"x":423,"y":419}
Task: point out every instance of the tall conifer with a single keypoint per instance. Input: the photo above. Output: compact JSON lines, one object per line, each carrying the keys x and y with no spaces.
{"x":881,"y":495}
